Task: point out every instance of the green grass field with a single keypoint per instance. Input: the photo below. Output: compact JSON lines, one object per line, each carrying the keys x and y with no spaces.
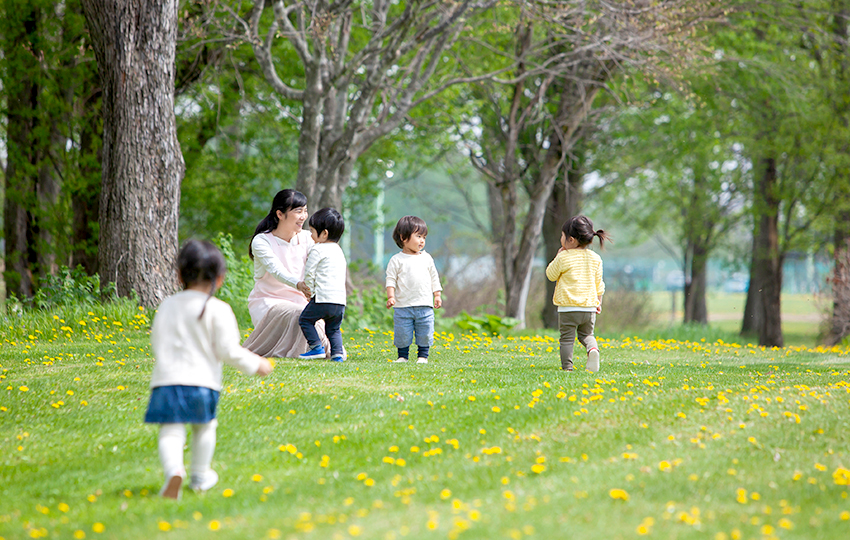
{"x":671,"y":439}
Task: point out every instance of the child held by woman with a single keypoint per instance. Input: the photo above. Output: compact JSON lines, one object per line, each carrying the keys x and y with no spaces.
{"x":324,"y":284}
{"x":191,"y":336}
{"x":577,"y":272}
{"x":413,"y":289}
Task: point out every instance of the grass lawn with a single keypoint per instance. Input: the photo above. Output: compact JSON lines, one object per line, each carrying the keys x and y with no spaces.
{"x":671,"y":439}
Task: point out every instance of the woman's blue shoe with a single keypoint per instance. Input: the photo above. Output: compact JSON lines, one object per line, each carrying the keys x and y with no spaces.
{"x":315,"y":352}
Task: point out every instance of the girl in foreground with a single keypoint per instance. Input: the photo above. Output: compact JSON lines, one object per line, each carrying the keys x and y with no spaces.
{"x":191,"y":336}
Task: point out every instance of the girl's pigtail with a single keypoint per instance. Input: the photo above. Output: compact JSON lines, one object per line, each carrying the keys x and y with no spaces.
{"x":212,"y":293}
{"x":602,"y":237}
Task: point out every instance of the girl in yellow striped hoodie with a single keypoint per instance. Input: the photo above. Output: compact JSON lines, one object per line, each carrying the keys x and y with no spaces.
{"x":579,"y":289}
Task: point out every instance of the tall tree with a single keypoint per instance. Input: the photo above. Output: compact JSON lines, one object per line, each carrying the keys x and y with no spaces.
{"x":790,"y":137}
{"x":361,"y":68}
{"x":135,"y":43}
{"x":835,"y":57}
{"x":680,"y":172}
{"x":568,"y":52}
{"x":20,"y":35}
{"x":50,"y":87}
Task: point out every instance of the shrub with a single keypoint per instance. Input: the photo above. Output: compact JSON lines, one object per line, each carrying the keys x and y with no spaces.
{"x":366,"y":305}
{"x":72,"y":288}
{"x":239,"y":280}
{"x":492,"y":324}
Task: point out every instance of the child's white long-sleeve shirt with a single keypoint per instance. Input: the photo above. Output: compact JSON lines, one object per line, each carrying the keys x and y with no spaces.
{"x":190,"y":352}
{"x":414,"y":278}
{"x":324,"y":273}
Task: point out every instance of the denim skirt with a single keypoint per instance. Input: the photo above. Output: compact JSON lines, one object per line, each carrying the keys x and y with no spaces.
{"x":181,"y":405}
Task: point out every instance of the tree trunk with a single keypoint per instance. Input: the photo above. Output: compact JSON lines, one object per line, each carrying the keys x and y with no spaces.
{"x":695,"y":282}
{"x":839,"y":326}
{"x":575,"y":100}
{"x":563,"y":204}
{"x":767,"y":258}
{"x":134,"y":43}
{"x":753,"y":320}
{"x":20,"y":36}
{"x":48,"y":190}
{"x":85,"y":198}
{"x":840,"y":323}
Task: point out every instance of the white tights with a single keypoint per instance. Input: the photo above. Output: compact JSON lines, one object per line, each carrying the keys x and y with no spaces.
{"x":172,"y":438}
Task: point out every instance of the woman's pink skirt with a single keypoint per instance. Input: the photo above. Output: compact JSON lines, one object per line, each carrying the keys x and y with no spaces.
{"x":278,"y":334}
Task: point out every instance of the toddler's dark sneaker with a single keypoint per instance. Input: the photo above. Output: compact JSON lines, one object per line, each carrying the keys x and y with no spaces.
{"x":315,"y":352}
{"x":204,"y":482}
{"x":337,"y":358}
{"x":593,"y":360}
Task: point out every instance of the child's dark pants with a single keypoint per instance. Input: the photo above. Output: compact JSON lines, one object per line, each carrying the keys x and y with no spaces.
{"x":332,"y":314}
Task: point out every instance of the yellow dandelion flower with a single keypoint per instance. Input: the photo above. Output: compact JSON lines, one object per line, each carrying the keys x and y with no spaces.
{"x":618,"y":494}
{"x":227,"y":493}
{"x":98,"y":527}
{"x":841,"y":476}
{"x":214,"y":525}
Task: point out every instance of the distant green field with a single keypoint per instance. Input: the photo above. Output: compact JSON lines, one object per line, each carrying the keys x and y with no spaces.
{"x":801,"y":314}
{"x":727,"y":305}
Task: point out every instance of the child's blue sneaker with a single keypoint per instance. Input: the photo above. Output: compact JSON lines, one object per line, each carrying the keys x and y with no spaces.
{"x":337,"y":358}
{"x":315,"y":352}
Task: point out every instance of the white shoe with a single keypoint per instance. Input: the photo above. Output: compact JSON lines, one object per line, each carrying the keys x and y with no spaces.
{"x":171,"y":488}
{"x":204,"y":482}
{"x":421,"y":360}
{"x":593,"y":360}
{"x":400,"y":360}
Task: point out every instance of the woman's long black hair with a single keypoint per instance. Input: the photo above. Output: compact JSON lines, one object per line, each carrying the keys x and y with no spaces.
{"x":285,"y":200}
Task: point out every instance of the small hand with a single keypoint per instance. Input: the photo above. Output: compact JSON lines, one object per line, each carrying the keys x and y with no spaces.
{"x":438,"y":302}
{"x":390,"y":301}
{"x":305,"y":290}
{"x":265,"y":368}
{"x":599,"y":308}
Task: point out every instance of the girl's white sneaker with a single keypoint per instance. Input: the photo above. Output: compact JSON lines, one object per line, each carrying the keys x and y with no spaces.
{"x":399,"y":360}
{"x":422,"y":361}
{"x":203,"y":482}
{"x":593,"y":360}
